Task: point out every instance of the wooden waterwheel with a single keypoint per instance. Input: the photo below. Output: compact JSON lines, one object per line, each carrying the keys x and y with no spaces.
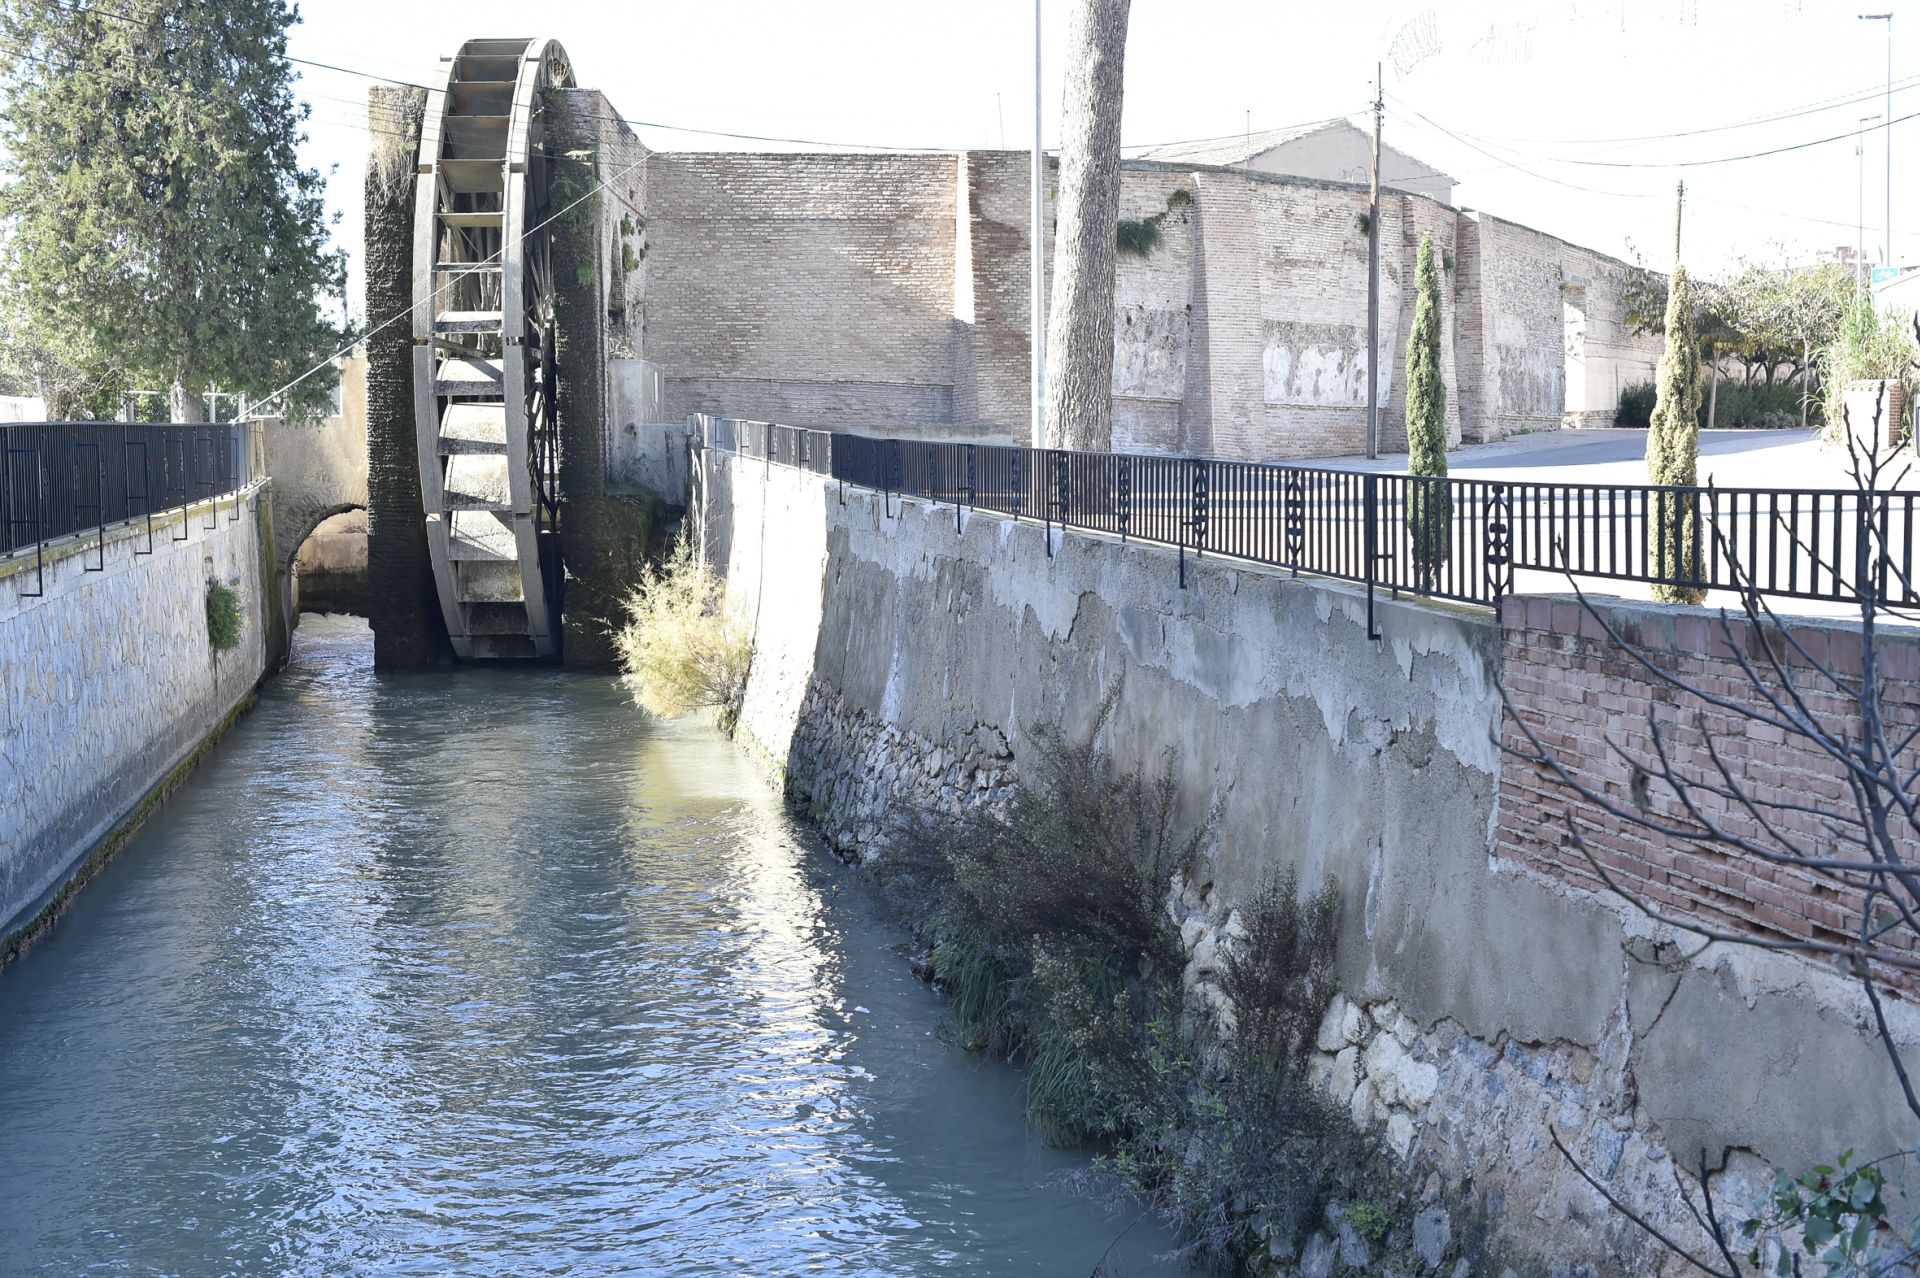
{"x":484,"y":349}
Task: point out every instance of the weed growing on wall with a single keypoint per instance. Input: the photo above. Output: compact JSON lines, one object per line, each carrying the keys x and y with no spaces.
{"x":223,"y":617}
{"x":679,"y":649}
{"x":1048,"y":924}
{"x":1137,"y":237}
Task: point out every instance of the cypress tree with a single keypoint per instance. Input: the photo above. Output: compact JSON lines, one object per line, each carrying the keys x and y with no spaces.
{"x":1429,"y":506}
{"x":1673,"y":451}
{"x":158,"y":219}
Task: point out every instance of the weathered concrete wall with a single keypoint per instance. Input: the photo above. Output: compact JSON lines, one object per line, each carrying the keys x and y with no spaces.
{"x":897,"y":662}
{"x":111,"y":682}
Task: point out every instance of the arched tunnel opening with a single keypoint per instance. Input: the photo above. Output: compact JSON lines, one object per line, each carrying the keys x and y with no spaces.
{"x":327,"y":572}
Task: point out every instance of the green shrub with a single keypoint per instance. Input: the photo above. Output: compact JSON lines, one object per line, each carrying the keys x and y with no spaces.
{"x":1754,"y":404}
{"x":224,"y":621}
{"x":1636,"y":405}
{"x":680,"y":649}
{"x":1050,"y":931}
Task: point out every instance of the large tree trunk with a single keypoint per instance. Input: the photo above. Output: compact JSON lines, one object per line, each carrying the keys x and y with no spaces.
{"x":184,"y":405}
{"x":1080,"y":321}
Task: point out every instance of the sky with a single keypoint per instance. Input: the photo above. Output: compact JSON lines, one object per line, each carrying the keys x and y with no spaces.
{"x":1577,"y":117}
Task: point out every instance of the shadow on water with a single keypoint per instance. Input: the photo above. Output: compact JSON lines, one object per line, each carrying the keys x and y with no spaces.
{"x":485,"y":973}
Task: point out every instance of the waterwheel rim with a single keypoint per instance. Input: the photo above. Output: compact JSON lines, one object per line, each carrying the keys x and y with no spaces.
{"x":484,"y":363}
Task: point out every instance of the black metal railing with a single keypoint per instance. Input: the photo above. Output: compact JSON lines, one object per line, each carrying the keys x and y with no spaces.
{"x":58,"y":479}
{"x":1457,"y":539}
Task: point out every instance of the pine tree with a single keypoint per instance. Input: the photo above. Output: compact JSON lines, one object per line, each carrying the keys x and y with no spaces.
{"x":1673,"y":450}
{"x":159,"y":219}
{"x":1429,"y":506}
{"x":1079,"y":408}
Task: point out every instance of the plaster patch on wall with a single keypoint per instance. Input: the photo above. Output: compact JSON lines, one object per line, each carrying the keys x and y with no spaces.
{"x":1532,"y":381}
{"x":1150,"y":352}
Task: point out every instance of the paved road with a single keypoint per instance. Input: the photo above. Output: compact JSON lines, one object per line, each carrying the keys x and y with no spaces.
{"x":1730,"y":458}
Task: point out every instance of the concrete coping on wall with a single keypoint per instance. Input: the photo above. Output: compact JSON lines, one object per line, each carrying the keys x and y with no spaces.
{"x":59,"y":549}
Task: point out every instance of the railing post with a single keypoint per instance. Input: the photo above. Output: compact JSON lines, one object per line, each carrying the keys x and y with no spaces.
{"x":1499,"y":542}
{"x":1370,"y":487}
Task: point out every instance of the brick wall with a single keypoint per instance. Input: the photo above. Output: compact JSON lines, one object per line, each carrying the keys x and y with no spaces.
{"x":891,"y":292}
{"x":1544,"y":311}
{"x":998,"y":370}
{"x":793,"y":286}
{"x":1577,"y":690}
{"x":1153,"y":321}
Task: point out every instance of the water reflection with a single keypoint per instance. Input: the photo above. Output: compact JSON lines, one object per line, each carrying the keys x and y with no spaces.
{"x":481,"y":973}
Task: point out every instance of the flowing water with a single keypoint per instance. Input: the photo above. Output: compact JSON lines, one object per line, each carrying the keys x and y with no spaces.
{"x":483,"y":973}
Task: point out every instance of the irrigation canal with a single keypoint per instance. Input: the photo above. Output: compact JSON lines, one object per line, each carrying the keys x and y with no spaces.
{"x":483,"y":973}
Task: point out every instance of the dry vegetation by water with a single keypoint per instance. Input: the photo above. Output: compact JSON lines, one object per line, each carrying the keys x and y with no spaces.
{"x":680,"y":650}
{"x":1049,"y":925}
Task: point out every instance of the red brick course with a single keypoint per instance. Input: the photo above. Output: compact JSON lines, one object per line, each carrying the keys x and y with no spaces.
{"x":1579,"y":691}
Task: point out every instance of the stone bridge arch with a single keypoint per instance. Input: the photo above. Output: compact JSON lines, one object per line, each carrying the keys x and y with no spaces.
{"x":318,"y":470}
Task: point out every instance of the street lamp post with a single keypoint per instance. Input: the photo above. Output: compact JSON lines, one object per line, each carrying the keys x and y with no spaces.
{"x":1888,"y":126}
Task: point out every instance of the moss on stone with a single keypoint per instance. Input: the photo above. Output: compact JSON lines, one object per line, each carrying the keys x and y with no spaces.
{"x":403,"y":605}
{"x":608,"y":532}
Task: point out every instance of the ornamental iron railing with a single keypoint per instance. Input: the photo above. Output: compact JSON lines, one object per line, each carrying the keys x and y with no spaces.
{"x":59,"y":479}
{"x":1463,"y":540}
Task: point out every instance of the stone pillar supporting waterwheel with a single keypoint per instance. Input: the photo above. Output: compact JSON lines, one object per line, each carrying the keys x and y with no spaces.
{"x":483,"y":329}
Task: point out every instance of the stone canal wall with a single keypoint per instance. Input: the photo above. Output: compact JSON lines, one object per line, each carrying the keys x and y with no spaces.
{"x":904,"y":655}
{"x":111,"y":682}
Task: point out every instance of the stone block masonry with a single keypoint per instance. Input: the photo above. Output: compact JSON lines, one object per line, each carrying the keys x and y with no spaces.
{"x":904,"y":655}
{"x":111,"y":682}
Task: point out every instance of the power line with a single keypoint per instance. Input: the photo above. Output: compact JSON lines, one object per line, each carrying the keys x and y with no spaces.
{"x":1812,"y":108}
{"x":1505,"y":163}
{"x":1655,"y":164}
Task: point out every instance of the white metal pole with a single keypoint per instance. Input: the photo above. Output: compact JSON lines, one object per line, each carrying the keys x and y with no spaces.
{"x":1038,"y":299}
{"x":1888,"y":126}
{"x":1373,"y":272}
{"x":1860,"y":229}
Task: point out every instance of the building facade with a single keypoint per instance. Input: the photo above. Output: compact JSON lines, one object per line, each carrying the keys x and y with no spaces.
{"x":889,"y":292}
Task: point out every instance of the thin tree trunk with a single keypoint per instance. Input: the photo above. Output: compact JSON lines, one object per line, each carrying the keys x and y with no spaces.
{"x":1080,"y":321}
{"x":1713,"y":395}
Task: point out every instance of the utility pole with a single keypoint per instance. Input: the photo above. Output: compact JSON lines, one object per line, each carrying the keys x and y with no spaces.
{"x":1038,"y":300}
{"x":1373,"y":272}
{"x":1888,"y":126}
